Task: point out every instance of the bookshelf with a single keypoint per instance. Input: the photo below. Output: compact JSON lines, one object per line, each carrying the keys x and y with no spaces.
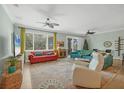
{"x":119,"y":45}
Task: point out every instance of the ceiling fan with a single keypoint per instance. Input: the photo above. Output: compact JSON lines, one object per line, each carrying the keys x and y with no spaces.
{"x":49,"y":23}
{"x":89,"y":32}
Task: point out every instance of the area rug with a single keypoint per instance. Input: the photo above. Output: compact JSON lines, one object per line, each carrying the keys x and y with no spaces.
{"x":58,"y":75}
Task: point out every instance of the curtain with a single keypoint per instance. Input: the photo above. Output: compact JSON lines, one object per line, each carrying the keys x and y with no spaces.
{"x":22,"y":40}
{"x":55,"y":45}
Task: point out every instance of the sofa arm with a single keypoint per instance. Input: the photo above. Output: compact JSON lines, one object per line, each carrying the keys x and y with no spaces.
{"x":108,"y":61}
{"x":30,"y":56}
{"x":85,"y":77}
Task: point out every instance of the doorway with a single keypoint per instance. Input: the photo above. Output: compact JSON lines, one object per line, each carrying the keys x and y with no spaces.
{"x":72,"y":44}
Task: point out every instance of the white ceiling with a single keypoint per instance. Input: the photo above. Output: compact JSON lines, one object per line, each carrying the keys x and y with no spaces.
{"x":73,"y":18}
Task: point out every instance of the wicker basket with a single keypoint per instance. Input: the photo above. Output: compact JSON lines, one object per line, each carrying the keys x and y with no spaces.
{"x":12,"y":81}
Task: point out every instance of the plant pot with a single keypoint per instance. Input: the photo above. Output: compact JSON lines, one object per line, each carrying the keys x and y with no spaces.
{"x":11,"y":69}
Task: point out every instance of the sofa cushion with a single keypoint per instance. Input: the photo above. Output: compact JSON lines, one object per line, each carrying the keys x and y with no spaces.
{"x":86,"y":52}
{"x":87,"y":57}
{"x":38,"y":53}
{"x":48,"y":53}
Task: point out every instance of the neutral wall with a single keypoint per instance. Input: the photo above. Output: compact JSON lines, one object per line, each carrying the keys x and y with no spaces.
{"x":6,"y":30}
{"x":97,"y":41}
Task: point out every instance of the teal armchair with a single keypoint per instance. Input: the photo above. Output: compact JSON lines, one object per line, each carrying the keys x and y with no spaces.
{"x":108,"y":61}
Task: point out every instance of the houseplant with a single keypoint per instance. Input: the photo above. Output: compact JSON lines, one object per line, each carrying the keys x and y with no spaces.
{"x":12,"y":64}
{"x":85,"y":45}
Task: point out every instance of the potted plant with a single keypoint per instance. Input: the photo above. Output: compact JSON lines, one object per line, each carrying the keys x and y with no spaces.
{"x":12,"y":67}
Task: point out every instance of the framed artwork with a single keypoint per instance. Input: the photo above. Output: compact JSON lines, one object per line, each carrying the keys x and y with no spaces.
{"x":60,"y":43}
{"x":107,"y":44}
{"x":17,"y":43}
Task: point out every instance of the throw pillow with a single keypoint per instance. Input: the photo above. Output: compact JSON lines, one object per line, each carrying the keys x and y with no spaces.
{"x":87,"y":52}
{"x":38,"y":54}
{"x":49,"y":53}
{"x":94,"y":62}
{"x":97,"y":62}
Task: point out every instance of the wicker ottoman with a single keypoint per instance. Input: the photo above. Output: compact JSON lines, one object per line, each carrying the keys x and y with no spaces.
{"x":12,"y":81}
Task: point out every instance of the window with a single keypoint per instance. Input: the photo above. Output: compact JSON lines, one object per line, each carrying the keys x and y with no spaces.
{"x":39,"y":42}
{"x":29,"y":41}
{"x":35,"y":41}
{"x":50,"y":42}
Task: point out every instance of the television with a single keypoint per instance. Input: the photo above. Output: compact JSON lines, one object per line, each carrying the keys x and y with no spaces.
{"x":17,"y":43}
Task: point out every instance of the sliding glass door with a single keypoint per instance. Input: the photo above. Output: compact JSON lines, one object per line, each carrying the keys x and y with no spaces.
{"x":72,"y":44}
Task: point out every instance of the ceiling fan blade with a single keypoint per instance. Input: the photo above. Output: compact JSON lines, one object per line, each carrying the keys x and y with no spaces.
{"x":55,"y":24}
{"x":91,"y":32}
{"x":51,"y":26}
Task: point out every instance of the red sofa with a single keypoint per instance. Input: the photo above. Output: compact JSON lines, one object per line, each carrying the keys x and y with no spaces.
{"x":46,"y":56}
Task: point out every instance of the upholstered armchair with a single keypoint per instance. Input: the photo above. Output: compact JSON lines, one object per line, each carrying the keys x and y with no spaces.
{"x":90,"y":76}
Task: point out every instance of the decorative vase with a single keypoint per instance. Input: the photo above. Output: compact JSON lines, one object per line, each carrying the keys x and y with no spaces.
{"x":11,"y":69}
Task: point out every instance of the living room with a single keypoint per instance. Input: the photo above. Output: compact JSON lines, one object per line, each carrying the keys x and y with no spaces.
{"x":61,"y":46}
